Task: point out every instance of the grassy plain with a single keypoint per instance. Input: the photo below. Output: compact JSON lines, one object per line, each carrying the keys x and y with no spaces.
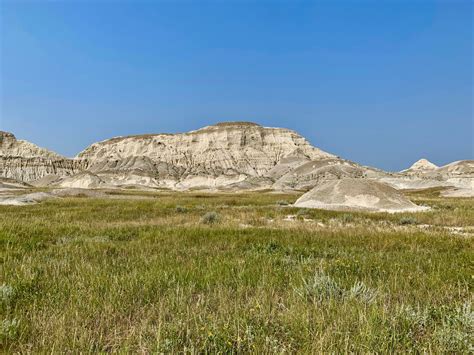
{"x":160,"y":272}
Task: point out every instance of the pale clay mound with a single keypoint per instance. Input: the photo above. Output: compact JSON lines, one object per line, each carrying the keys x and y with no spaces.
{"x":25,"y":199}
{"x":413,"y":183}
{"x":458,"y":174}
{"x":357,"y":194}
{"x":13,"y":199}
{"x":422,"y":165}
{"x":457,"y":169}
{"x":312,"y":173}
{"x":84,"y":180}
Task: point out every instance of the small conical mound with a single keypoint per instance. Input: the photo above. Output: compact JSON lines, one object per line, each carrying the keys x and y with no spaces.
{"x":83,"y":180}
{"x":356,"y":194}
{"x":423,"y":165}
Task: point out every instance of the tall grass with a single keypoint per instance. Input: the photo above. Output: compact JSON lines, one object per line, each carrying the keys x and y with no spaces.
{"x":100,"y":275}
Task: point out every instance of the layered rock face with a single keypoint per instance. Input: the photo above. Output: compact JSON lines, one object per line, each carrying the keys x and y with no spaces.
{"x":24,"y":161}
{"x":213,"y":156}
{"x":225,"y":156}
{"x":11,"y":147}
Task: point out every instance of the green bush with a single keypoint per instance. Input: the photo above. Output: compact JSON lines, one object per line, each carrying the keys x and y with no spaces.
{"x":181,"y":209}
{"x":408,"y":220}
{"x":9,"y":329}
{"x":210,"y":218}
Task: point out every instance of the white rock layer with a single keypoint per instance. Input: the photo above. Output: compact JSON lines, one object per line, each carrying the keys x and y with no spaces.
{"x":24,"y":161}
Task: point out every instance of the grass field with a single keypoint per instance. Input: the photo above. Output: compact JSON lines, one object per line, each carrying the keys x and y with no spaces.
{"x":234,"y":273}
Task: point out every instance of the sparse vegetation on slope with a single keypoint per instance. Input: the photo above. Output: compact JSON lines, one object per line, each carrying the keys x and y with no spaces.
{"x":146,"y":275}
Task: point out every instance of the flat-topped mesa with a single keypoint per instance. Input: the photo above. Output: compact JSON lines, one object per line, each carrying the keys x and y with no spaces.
{"x":227,"y":148}
{"x":236,"y":124}
{"x":228,"y":125}
{"x":25,"y":161}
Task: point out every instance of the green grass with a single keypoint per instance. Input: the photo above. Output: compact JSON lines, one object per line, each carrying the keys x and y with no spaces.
{"x":151,"y":275}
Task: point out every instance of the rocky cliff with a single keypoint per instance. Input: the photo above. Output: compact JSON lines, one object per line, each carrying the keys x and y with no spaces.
{"x":11,"y":147}
{"x":24,"y":161}
{"x":213,"y":156}
{"x":230,"y":156}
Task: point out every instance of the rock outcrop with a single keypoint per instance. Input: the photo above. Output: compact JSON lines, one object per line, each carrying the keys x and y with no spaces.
{"x":458,"y":174}
{"x":11,"y":147}
{"x":226,"y":154}
{"x":457,"y":169}
{"x":24,"y":161}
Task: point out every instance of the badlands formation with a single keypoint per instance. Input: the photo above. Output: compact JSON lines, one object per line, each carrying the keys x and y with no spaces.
{"x":24,"y":161}
{"x":229,"y":156}
{"x":457,"y":177}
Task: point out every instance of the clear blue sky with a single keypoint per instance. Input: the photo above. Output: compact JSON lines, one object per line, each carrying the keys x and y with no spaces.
{"x":380,"y":82}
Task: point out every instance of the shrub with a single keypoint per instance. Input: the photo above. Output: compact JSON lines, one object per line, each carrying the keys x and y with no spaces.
{"x":362,"y":293}
{"x":417,"y":318}
{"x":455,"y":334}
{"x":6,"y":293}
{"x":9,"y":329}
{"x":408,"y":220}
{"x":210,"y":218}
{"x":452,"y":327}
{"x":181,"y":209}
{"x":283,"y":203}
{"x":321,"y":287}
{"x":302,"y":213}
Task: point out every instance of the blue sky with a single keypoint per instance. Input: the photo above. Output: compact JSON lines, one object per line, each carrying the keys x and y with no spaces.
{"x":382,"y":83}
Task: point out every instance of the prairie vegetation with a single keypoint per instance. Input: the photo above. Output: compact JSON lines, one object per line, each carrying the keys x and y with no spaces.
{"x":234,"y":273}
